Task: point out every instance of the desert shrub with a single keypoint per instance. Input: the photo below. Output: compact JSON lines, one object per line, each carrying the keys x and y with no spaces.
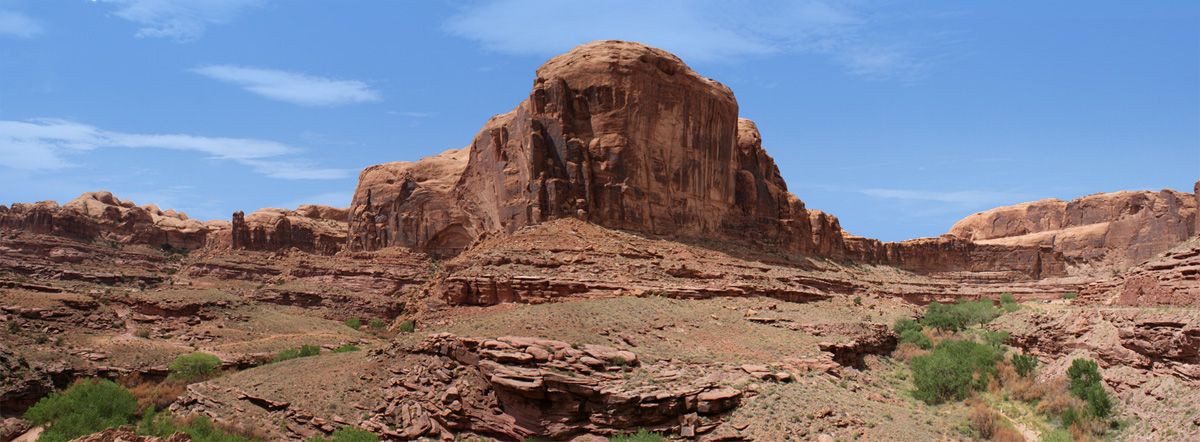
{"x":199,"y":427}
{"x":1069,"y":296}
{"x":353,"y":323}
{"x":858,"y":300}
{"x":984,"y":420}
{"x":194,"y":366}
{"x":377,"y":324}
{"x":13,"y":327}
{"x":1085,"y":383}
{"x":905,"y":352}
{"x":641,"y":436}
{"x":309,"y":350}
{"x":346,"y":348}
{"x":1059,"y":435}
{"x":1007,"y":434}
{"x":286,"y":355}
{"x":917,"y":338}
{"x":905,"y":324}
{"x":143,"y":333}
{"x":1007,"y":298}
{"x":150,"y":394}
{"x":1024,"y":363}
{"x":407,"y":326}
{"x":1056,"y":399}
{"x":346,"y":434}
{"x":952,"y":371}
{"x":87,"y":407}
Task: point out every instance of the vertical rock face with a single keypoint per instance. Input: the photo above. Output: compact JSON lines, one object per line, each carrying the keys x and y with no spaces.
{"x":615,"y":133}
{"x":313,"y":229}
{"x":102,"y":215}
{"x":1110,"y":229}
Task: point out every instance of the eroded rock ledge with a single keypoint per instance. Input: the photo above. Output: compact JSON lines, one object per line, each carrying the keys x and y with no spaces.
{"x":519,"y":387}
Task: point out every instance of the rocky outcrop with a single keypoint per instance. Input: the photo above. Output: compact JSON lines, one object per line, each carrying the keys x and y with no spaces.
{"x":101,"y":215}
{"x":1105,"y":230}
{"x":1171,"y":280}
{"x":619,"y":134}
{"x":21,"y":384}
{"x":515,"y":388}
{"x":1161,"y":343}
{"x":950,"y":254}
{"x":312,"y":229}
{"x":126,"y":433}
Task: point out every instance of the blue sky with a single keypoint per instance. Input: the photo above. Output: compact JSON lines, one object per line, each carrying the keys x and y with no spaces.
{"x":898,"y":117}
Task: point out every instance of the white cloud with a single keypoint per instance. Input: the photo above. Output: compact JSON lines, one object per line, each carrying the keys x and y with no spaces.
{"x":46,"y":144}
{"x":181,"y":20}
{"x":702,"y":30}
{"x":18,"y":25}
{"x":305,"y":90}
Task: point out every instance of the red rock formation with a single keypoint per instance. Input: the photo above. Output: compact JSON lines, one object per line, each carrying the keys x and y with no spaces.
{"x":101,"y":215}
{"x":616,"y":133}
{"x":1102,"y":230}
{"x":950,"y":254}
{"x":1173,"y":279}
{"x":313,"y":229}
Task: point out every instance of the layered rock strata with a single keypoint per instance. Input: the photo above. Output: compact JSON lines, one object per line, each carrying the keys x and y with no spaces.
{"x":619,"y":134}
{"x":1101,"y":231}
{"x":1171,"y":280}
{"x":518,"y":387}
{"x":100,"y":215}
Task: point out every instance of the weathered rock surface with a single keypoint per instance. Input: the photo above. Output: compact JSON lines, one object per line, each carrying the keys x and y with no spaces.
{"x":1105,"y":230}
{"x":100,"y":215}
{"x":1171,"y":280}
{"x":615,"y":133}
{"x":519,"y":387}
{"x":1157,"y":343}
{"x":313,"y":229}
{"x":21,"y":384}
{"x":950,"y":254}
{"x":126,"y":433}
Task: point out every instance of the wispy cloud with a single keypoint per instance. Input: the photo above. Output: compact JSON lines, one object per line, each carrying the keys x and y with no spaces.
{"x":47,"y":144}
{"x":412,"y":114}
{"x":16,"y":24}
{"x":852,"y":34}
{"x":181,"y":20}
{"x":291,"y":87}
{"x":921,"y":203}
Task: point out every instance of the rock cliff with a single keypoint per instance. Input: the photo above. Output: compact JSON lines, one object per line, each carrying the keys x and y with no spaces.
{"x":1101,"y":231}
{"x":100,"y":215}
{"x":619,"y":134}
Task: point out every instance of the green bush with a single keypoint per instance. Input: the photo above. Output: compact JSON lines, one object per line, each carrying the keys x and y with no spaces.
{"x":1069,"y":296}
{"x":955,"y":317}
{"x":1085,"y":383}
{"x":346,"y":434}
{"x":1007,"y":298}
{"x":346,"y":348}
{"x":309,"y":350}
{"x":377,"y":324}
{"x":286,"y":355}
{"x":996,"y":339}
{"x":1059,"y":435}
{"x":87,"y":407}
{"x":953,"y":370}
{"x":1024,"y":363}
{"x":905,"y":324}
{"x":200,"y":428}
{"x":13,"y":327}
{"x":353,"y":323}
{"x":916,"y":337}
{"x":195,"y":365}
{"x":407,"y":326}
{"x":641,"y":436}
